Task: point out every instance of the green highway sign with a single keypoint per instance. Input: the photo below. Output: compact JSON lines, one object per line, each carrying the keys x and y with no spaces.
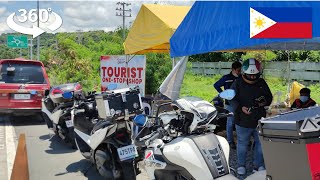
{"x":17,"y":41}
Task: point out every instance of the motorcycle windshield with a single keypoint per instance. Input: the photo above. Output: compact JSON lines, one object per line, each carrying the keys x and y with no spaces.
{"x":203,"y":108}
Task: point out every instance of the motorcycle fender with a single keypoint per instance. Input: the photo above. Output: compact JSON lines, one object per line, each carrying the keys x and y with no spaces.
{"x":98,"y":136}
{"x":45,"y":110}
{"x":56,"y":116}
{"x":185,"y":153}
{"x":83,"y":136}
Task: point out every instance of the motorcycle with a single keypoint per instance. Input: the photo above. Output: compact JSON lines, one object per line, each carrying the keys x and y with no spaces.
{"x":56,"y":110}
{"x":103,"y":131}
{"x":180,"y":144}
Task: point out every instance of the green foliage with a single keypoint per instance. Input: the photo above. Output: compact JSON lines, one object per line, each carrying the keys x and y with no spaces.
{"x":202,"y":86}
{"x":71,"y":57}
{"x":260,"y":55}
{"x":158,"y":67}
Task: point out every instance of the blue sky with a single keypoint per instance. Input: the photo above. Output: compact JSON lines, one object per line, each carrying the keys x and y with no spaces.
{"x":78,"y":15}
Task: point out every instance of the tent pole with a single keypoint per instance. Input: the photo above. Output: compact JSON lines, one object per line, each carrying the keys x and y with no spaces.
{"x":288,"y":76}
{"x":172,"y":63}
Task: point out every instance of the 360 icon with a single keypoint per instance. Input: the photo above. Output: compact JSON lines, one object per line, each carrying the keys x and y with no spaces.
{"x":32,"y":16}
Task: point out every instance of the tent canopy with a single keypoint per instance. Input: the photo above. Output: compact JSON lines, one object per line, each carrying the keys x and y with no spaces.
{"x":225,"y":26}
{"x":153,"y":27}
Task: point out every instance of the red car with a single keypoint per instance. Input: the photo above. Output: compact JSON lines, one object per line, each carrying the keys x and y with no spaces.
{"x":22,"y":86}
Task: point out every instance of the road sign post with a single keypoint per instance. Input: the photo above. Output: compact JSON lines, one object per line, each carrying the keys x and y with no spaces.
{"x":17,"y":41}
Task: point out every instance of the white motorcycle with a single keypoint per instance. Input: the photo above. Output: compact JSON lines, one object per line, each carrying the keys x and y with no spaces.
{"x":180,"y":144}
{"x":57,"y":110}
{"x":105,"y":138}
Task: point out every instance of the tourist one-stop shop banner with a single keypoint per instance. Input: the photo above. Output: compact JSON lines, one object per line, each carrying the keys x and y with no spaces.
{"x":116,"y":73}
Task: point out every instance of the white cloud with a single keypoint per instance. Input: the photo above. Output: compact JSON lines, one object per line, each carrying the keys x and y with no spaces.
{"x":2,"y":10}
{"x":100,"y":15}
{"x":86,"y":15}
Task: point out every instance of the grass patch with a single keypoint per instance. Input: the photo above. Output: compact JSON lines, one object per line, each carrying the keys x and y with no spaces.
{"x":202,"y":86}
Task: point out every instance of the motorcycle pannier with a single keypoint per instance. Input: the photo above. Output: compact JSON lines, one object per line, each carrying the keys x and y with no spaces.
{"x":291,"y":144}
{"x":119,"y":104}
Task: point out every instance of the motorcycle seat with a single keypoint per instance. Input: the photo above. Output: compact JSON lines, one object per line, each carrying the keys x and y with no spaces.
{"x":101,"y":124}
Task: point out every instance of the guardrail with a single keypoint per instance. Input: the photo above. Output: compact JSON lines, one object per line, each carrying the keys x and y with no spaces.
{"x":301,"y":71}
{"x":20,"y":169}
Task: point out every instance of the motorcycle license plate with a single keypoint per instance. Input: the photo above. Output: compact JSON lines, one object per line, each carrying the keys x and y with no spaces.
{"x":127,"y":152}
{"x":69,"y":123}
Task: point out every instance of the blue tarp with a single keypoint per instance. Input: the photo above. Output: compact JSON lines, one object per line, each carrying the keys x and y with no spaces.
{"x":225,"y":26}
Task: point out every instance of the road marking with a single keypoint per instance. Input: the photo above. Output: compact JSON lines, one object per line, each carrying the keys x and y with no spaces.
{"x":3,"y":151}
{"x":11,"y":145}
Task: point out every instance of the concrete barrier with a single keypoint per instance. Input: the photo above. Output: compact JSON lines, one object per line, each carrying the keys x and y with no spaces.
{"x":20,"y":169}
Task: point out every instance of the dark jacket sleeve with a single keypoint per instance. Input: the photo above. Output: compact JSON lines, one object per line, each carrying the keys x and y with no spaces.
{"x":313,"y":103}
{"x":235,"y":101}
{"x":294,"y":105}
{"x":268,"y":94}
{"x":219,"y":84}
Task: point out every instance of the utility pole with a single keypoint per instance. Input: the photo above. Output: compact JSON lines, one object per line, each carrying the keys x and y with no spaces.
{"x":31,"y":46}
{"x":38,"y":38}
{"x":123,"y":12}
{"x":79,"y":36}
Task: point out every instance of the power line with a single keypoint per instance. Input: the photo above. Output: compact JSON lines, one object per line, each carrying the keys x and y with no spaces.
{"x":123,"y":11}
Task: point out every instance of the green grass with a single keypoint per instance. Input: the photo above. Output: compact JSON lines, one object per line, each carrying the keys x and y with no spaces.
{"x":202,"y":86}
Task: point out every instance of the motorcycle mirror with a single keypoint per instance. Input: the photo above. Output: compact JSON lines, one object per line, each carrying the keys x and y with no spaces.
{"x":46,"y":92}
{"x":227,"y":94}
{"x":140,"y":120}
{"x":67,"y":95}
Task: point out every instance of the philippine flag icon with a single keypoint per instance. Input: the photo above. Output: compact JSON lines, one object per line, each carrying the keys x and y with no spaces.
{"x":281,"y":22}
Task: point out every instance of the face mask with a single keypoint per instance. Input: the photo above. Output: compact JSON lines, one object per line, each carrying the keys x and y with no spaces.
{"x":304,"y":98}
{"x":235,"y":74}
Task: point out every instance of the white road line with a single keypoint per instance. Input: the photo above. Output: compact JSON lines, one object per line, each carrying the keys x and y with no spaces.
{"x":11,"y":145}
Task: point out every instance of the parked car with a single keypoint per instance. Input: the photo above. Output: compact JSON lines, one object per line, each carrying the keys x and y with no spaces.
{"x":22,"y":86}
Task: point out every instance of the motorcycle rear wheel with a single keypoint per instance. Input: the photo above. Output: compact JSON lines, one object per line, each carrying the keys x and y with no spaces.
{"x":105,"y":166}
{"x":109,"y":167}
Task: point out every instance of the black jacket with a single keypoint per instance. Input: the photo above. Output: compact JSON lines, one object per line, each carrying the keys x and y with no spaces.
{"x":246,"y":95}
{"x":299,"y":104}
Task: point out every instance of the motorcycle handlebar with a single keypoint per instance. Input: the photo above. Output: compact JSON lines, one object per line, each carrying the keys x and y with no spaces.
{"x":155,"y":136}
{"x":224,"y":115}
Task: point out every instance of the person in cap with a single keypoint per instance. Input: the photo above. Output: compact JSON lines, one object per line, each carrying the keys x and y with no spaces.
{"x":226,"y":82}
{"x":304,"y":101}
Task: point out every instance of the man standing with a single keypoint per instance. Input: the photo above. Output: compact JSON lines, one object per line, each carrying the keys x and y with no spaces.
{"x":226,"y":82}
{"x":252,"y":95}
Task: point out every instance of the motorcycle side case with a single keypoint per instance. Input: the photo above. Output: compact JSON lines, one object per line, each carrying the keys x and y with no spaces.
{"x":291,"y":140}
{"x":56,"y":92}
{"x":201,"y":155}
{"x":119,"y":104}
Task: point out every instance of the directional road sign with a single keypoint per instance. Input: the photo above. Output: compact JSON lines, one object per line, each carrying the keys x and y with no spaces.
{"x":17,"y":41}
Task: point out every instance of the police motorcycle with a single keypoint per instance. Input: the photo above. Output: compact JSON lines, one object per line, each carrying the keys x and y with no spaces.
{"x":180,"y":144}
{"x":105,"y":139}
{"x":56,"y":110}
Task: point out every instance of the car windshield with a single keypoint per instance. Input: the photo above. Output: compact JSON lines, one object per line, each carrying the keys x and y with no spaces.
{"x":23,"y":73}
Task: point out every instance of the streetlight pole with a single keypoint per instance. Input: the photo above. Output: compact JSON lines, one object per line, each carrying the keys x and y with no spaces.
{"x":38,"y":38}
{"x":123,"y":12}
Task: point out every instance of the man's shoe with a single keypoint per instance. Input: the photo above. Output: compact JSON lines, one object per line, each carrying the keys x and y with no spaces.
{"x":241,"y":170}
{"x":261,"y":168}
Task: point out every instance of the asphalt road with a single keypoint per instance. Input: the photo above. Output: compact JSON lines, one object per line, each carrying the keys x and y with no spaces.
{"x":48,"y":156}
